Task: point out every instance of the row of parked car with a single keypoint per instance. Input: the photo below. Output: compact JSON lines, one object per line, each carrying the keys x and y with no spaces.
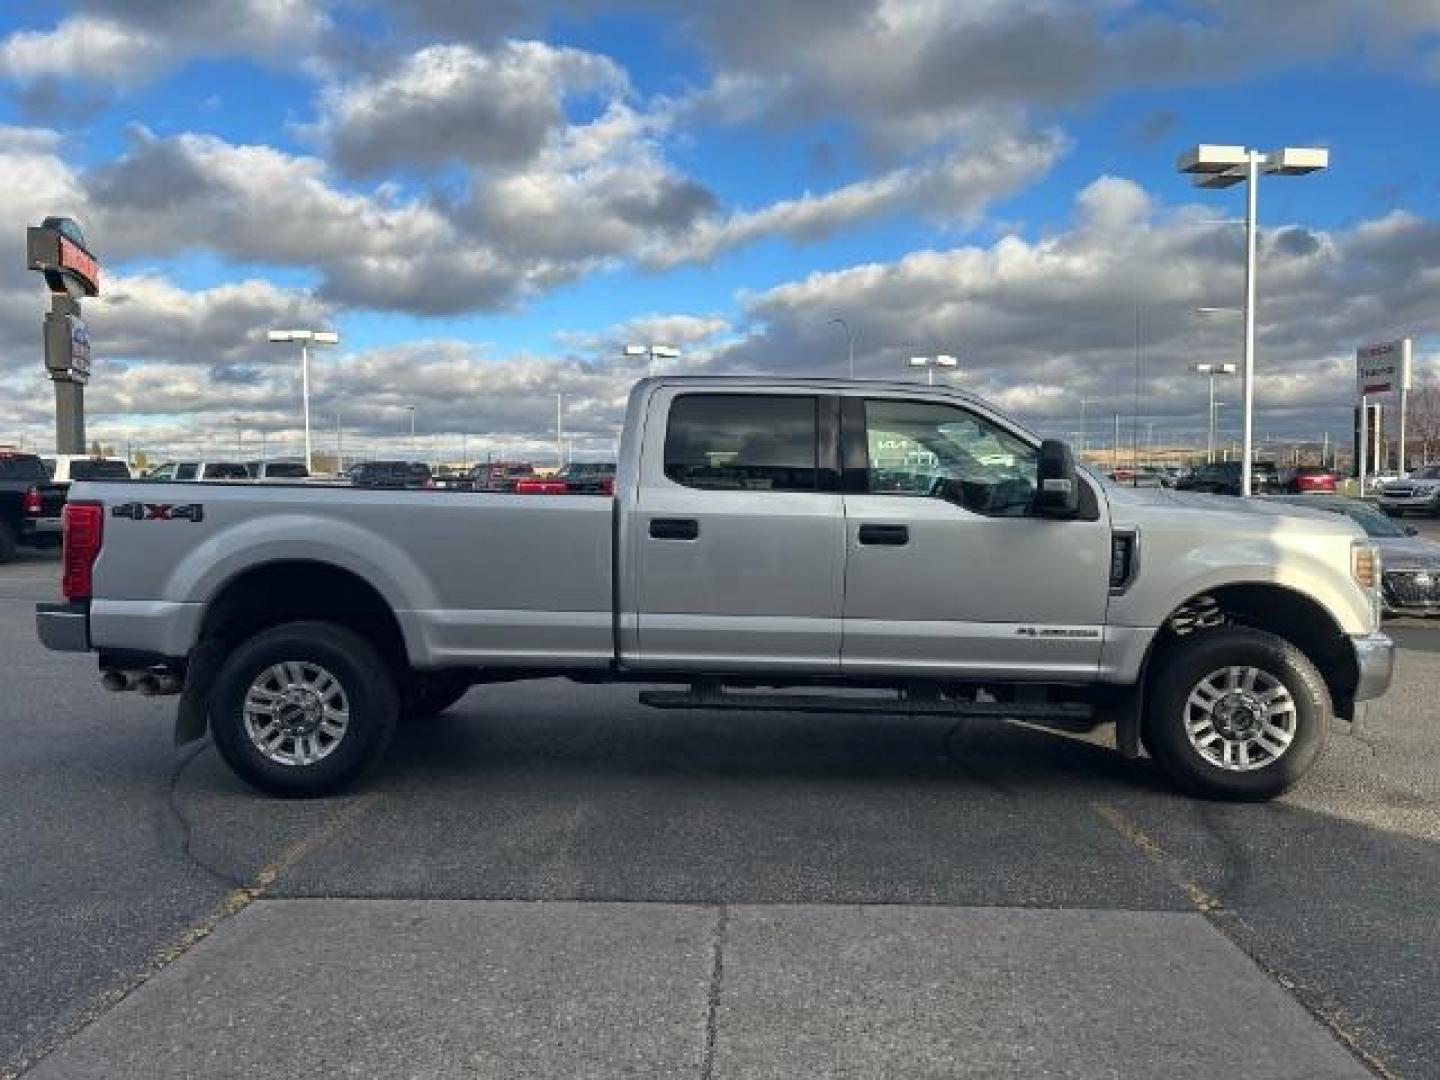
{"x":582,"y":478}
{"x":1223,"y":478}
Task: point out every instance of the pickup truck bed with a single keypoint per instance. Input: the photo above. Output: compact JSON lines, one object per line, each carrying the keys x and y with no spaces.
{"x":907,"y":540}
{"x":30,"y":504}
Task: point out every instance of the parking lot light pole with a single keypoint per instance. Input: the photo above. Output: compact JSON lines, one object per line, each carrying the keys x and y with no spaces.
{"x":1213,"y":370}
{"x":411,"y":409}
{"x":306,"y":338}
{"x":652,"y":352}
{"x":930,"y":363}
{"x":1222,"y":167}
{"x":849,"y":342}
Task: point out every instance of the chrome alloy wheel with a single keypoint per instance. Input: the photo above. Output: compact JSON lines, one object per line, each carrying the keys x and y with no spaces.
{"x":1240,"y":718}
{"x":296,"y":712}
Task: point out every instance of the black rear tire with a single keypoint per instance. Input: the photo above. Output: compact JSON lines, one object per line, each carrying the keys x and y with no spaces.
{"x":1190,"y":660}
{"x":364,"y":679}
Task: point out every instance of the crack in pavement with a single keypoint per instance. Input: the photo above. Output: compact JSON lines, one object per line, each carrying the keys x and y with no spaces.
{"x":1230,"y":923}
{"x":717,"y":975}
{"x":235,"y":901}
{"x":227,"y":879}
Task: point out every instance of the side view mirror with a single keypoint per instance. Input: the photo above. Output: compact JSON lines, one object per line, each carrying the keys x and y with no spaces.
{"x":1057,"y":485}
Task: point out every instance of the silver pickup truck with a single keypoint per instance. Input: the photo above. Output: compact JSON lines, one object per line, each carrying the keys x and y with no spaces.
{"x":831,"y":546}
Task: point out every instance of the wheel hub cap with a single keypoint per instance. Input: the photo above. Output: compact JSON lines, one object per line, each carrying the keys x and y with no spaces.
{"x":296,"y":713}
{"x":1240,"y":718}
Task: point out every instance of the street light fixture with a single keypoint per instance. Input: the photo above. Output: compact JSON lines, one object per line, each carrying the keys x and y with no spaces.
{"x":1215,"y":166}
{"x":849,"y":342}
{"x":652,"y":352}
{"x":1213,"y":370}
{"x":306,"y":338}
{"x":930,"y":363}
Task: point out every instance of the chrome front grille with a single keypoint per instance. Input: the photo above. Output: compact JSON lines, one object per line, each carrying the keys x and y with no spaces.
{"x":1407,"y":588}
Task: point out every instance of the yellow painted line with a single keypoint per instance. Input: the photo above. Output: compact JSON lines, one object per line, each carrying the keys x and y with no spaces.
{"x":1203,"y":901}
{"x":234,"y":902}
{"x":1209,"y":905}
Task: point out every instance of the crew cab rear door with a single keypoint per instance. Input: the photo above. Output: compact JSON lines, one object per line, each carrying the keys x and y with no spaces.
{"x":948,"y":570}
{"x":737,"y":539}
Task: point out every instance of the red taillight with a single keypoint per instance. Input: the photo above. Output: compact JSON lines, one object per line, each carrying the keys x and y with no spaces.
{"x":82,"y":527}
{"x":33,"y":506}
{"x":607,"y":486}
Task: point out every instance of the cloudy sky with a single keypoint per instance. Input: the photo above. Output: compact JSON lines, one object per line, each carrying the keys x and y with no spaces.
{"x":487,"y":198}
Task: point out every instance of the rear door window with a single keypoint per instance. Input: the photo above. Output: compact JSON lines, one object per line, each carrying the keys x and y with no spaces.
{"x":743,"y":442}
{"x":186,"y":472}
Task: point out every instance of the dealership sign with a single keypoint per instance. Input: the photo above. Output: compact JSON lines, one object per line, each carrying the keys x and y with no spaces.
{"x":1384,"y":367}
{"x":57,"y":249}
{"x":67,"y":347}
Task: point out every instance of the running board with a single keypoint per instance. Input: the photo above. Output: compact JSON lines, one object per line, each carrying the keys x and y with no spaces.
{"x":1058,"y":712}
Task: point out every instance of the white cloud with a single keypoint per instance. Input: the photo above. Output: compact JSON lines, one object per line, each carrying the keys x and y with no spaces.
{"x":960,"y":186}
{"x":128,"y":42}
{"x":87,"y":48}
{"x":456,"y":104}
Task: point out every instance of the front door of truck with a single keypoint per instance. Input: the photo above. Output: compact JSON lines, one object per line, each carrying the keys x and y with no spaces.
{"x":737,"y":539}
{"x":948,"y":570}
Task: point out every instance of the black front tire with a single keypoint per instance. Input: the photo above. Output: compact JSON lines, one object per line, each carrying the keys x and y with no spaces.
{"x":1179,"y":669}
{"x":363,"y":676}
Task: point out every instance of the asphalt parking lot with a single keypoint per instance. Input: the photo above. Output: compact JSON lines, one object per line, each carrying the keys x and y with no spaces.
{"x":551,"y":880}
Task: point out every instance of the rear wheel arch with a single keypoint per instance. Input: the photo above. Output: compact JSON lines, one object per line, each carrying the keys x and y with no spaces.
{"x":272,"y":594}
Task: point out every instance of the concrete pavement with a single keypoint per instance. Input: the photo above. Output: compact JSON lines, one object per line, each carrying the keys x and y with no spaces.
{"x":300,"y":988}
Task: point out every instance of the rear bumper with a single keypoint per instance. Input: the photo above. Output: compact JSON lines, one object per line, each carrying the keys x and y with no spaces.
{"x":63,"y":627}
{"x":44,"y":526}
{"x":1375,"y":662}
{"x":1408,"y":502}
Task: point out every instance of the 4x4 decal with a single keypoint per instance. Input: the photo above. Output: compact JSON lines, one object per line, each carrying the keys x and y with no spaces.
{"x":137,"y":511}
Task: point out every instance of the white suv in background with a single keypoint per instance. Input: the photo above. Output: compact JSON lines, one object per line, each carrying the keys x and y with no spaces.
{"x":199,"y":470}
{"x":1417,"y":493}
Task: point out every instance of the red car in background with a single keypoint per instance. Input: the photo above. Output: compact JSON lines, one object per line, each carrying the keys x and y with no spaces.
{"x":540,"y":485}
{"x":1308,"y":479}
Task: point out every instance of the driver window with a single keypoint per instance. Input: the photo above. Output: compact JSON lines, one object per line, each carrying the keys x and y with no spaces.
{"x":925,"y":449}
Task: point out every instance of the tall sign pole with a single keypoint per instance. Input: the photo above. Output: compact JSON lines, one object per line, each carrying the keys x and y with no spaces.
{"x":56,"y":248}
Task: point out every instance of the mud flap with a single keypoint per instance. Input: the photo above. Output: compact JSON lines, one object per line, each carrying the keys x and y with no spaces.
{"x":192,"y":715}
{"x":1129,"y":710}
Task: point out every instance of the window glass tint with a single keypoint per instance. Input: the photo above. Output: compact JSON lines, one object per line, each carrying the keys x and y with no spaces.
{"x":185,"y":472}
{"x":21,"y":467}
{"x":224,"y":471}
{"x":922,"y":449}
{"x":284,"y":468}
{"x":99,"y":470}
{"x":742,"y":442}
